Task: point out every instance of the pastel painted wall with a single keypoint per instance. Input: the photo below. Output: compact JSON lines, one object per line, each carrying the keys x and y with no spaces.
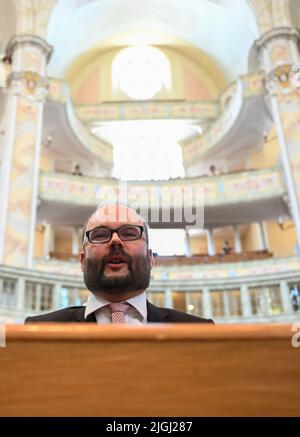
{"x":198,"y":245}
{"x":38,"y":242}
{"x":89,"y":90}
{"x":267,"y":156}
{"x":46,"y":163}
{"x":91,"y":81}
{"x":197,"y":86}
{"x":282,"y":242}
{"x":63,"y":241}
{"x":251,"y":240}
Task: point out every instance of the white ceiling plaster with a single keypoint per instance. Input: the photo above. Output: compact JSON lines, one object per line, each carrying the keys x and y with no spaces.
{"x":224,"y":29}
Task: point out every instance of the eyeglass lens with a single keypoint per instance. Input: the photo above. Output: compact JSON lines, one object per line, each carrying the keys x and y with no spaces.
{"x":127,"y":232}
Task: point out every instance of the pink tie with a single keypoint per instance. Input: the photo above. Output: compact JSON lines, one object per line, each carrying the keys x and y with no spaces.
{"x":118,"y":311}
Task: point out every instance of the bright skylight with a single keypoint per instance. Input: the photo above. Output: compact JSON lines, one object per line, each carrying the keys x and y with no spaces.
{"x":146,"y":149}
{"x":167,"y":242}
{"x":141,"y":72}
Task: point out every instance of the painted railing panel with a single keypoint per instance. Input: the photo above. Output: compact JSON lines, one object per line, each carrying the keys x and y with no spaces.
{"x":202,"y":111}
{"x":220,"y":190}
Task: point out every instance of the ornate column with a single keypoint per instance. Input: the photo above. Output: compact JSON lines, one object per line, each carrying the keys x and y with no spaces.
{"x":48,"y":245}
{"x":210,"y":242}
{"x":266,"y":301}
{"x":206,"y":300}
{"x":26,"y":91}
{"x":20,"y":290}
{"x":227,"y":309}
{"x":277,"y":53}
{"x":263,"y":236}
{"x":245,"y":301}
{"x":168,"y":298}
{"x":237,"y":239}
{"x":56,"y":296}
{"x":75,"y":242}
{"x":285,"y":297}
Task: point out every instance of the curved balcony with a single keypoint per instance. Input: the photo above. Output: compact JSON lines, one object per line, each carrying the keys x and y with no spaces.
{"x":230,"y":293}
{"x":230,"y":125}
{"x":203,"y":112}
{"x":235,"y":198}
{"x":239,"y":127}
{"x":72,"y":137}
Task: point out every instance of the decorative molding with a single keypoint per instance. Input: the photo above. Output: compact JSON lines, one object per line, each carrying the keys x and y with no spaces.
{"x":288,"y":33}
{"x":277,"y":33}
{"x":28,"y":84}
{"x":225,"y":189}
{"x":284,"y":79}
{"x":31,"y":40}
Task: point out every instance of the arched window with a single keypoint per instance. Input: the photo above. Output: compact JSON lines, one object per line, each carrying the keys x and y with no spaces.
{"x":141,"y":72}
{"x":144,"y":149}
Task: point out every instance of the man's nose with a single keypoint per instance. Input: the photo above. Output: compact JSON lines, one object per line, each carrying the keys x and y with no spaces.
{"x":115,"y":240}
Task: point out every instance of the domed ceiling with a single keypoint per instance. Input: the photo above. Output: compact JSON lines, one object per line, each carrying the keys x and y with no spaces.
{"x":223,"y":29}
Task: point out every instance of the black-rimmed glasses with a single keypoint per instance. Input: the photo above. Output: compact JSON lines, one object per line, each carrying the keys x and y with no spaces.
{"x":103,"y":234}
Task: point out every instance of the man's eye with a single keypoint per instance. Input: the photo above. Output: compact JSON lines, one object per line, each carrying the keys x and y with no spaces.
{"x":99,"y":234}
{"x":130,"y":232}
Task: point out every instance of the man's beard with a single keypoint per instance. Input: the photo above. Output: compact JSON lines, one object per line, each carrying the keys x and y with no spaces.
{"x":137,"y":278}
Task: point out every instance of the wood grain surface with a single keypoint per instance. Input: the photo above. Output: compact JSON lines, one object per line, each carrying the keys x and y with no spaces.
{"x":153,"y":370}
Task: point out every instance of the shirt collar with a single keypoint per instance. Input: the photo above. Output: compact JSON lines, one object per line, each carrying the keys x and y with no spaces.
{"x":95,"y":302}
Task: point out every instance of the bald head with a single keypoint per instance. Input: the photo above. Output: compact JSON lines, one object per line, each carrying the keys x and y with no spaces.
{"x":114,"y":215}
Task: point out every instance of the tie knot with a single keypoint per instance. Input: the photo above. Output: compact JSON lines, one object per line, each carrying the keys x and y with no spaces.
{"x":118,"y":307}
{"x":118,"y":311}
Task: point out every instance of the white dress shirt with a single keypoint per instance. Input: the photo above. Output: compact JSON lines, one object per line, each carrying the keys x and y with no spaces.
{"x":136,"y":314}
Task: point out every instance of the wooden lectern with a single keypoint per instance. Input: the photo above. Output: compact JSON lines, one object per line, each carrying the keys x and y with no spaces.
{"x":152,"y":370}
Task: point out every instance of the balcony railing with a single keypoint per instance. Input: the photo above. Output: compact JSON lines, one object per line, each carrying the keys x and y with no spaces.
{"x":235,"y":298}
{"x":241,"y":187}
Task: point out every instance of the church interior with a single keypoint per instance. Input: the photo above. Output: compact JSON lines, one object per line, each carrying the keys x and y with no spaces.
{"x":187,"y":111}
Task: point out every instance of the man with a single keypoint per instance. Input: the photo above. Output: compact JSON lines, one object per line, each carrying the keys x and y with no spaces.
{"x":116,"y":263}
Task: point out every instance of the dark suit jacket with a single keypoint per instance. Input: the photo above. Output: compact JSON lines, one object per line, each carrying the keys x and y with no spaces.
{"x":155,"y":315}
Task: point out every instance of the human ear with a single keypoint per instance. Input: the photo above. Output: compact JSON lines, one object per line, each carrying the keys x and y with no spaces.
{"x":82,"y":256}
{"x":151,"y":257}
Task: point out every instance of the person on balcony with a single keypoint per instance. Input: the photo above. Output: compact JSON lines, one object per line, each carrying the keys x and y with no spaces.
{"x":295,"y":298}
{"x":226,"y":248}
{"x":213,"y":170}
{"x":116,"y":262}
{"x":77,"y":171}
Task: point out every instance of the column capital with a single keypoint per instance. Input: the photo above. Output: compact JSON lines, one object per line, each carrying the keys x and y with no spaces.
{"x":275,"y":47}
{"x":28,"y":84}
{"x":283,"y":79}
{"x":29,"y":40}
{"x":277,"y":33}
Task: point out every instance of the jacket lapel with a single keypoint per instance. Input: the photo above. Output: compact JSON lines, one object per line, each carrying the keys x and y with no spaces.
{"x":156,"y":314}
{"x":79,"y":316}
